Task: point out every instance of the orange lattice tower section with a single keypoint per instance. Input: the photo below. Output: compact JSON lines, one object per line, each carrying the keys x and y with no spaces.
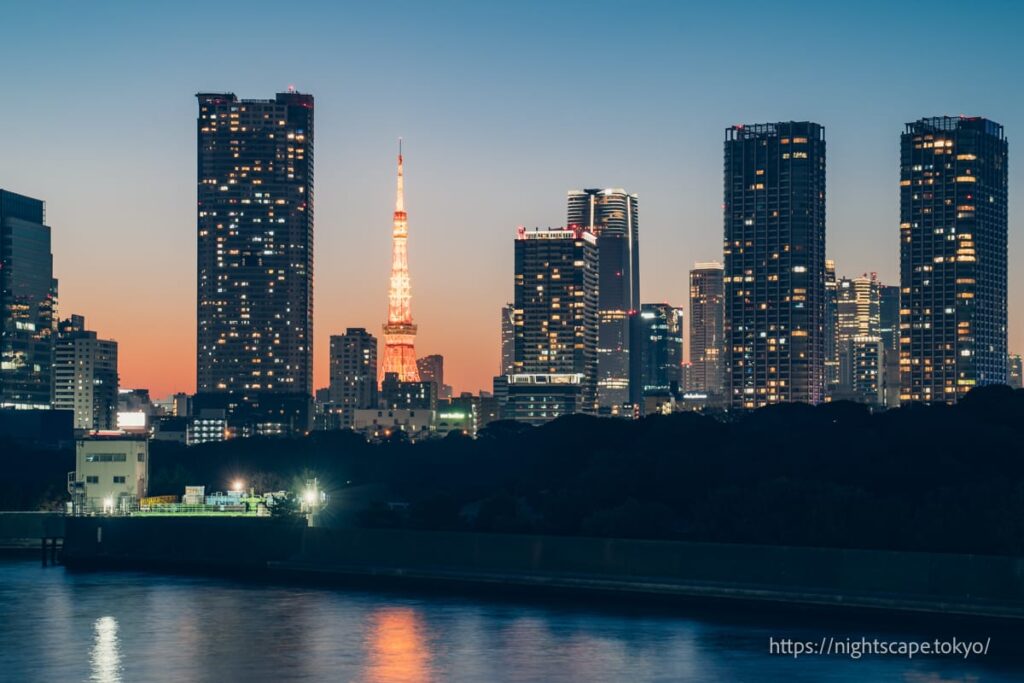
{"x":399,"y":331}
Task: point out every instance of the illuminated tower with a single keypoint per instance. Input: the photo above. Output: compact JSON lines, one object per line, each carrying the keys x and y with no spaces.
{"x":399,"y":330}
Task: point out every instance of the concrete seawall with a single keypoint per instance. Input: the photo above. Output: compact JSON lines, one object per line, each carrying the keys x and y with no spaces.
{"x":822,"y":577}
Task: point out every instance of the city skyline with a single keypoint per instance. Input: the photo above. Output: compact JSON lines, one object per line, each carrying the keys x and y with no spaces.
{"x":148,"y":246}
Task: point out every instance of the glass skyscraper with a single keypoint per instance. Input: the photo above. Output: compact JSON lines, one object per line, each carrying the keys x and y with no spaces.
{"x":255,"y":260}
{"x":953,"y":260}
{"x":774,"y":263}
{"x":657,"y":350}
{"x":28,"y":296}
{"x":612,"y":215}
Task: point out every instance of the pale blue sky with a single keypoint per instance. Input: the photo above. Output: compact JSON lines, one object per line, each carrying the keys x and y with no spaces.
{"x":503,"y":108}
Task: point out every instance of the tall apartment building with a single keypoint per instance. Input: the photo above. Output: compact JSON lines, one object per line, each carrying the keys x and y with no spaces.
{"x":613,"y":216}
{"x":255,"y":260}
{"x":28,"y":297}
{"x":953,"y":257}
{"x":556,"y":319}
{"x":353,"y":373}
{"x":774,"y":263}
{"x":707,"y":329}
{"x":85,"y":378}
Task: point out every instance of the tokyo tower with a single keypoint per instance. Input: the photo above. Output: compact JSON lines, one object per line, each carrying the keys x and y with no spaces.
{"x":399,"y":331}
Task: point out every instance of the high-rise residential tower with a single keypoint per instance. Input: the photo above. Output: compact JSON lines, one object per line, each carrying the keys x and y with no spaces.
{"x":775,"y":263}
{"x":399,"y":331}
{"x":255,"y":260}
{"x":612,"y":216}
{"x":353,"y":373}
{"x":28,"y":296}
{"x":85,"y":377}
{"x":953,"y":258}
{"x":707,"y":317}
{"x":555,"y":366}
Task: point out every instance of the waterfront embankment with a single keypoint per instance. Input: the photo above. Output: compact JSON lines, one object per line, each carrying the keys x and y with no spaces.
{"x":828,"y":578}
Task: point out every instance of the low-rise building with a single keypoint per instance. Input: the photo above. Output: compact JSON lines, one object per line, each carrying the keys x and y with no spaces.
{"x":381,"y":423}
{"x":111,"y":471}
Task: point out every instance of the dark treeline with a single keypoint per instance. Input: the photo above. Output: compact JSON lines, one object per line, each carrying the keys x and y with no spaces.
{"x":917,"y":478}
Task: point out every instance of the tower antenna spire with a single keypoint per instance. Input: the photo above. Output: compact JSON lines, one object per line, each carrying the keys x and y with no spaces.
{"x":399,"y":330}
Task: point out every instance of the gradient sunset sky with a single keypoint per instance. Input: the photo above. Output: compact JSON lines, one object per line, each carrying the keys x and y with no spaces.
{"x":503,"y":108}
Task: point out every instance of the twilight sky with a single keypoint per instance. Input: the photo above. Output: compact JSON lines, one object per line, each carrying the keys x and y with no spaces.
{"x":503,"y":109}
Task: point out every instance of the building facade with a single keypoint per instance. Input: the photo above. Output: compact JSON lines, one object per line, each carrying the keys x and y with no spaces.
{"x":774,"y":263}
{"x":707,"y":319}
{"x":831,"y":328}
{"x":953,"y":257}
{"x":111,"y":472}
{"x":255,"y":260}
{"x":28,"y":299}
{"x":858,"y":306}
{"x":431,"y":369}
{"x":612,"y":215}
{"x":508,"y":339}
{"x":657,"y":352}
{"x":353,"y":373}
{"x":556,"y":325}
{"x":85,"y":378}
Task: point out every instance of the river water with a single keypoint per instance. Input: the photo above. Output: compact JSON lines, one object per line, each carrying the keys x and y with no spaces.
{"x":62,"y":626}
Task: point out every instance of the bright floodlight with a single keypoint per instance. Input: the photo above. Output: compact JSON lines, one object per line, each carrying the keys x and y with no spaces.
{"x":108,"y":503}
{"x":238,"y":485}
{"x":310,"y":496}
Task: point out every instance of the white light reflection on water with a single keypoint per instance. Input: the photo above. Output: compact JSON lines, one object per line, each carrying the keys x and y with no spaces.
{"x":106,"y":655}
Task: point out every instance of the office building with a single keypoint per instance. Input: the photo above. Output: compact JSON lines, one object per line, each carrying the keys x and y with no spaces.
{"x":353,"y":374}
{"x":831,"y":326}
{"x":85,"y":377}
{"x":775,"y":263}
{"x":555,"y":366}
{"x":508,"y":338}
{"x":889,"y":331}
{"x":953,"y":259}
{"x":383,"y":423}
{"x":255,"y":260}
{"x":396,"y":394}
{"x":1015,"y":371}
{"x":657,"y":351}
{"x":612,"y":216}
{"x":28,"y":296}
{"x":707,"y":318}
{"x":858,"y":305}
{"x":431,"y":369}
